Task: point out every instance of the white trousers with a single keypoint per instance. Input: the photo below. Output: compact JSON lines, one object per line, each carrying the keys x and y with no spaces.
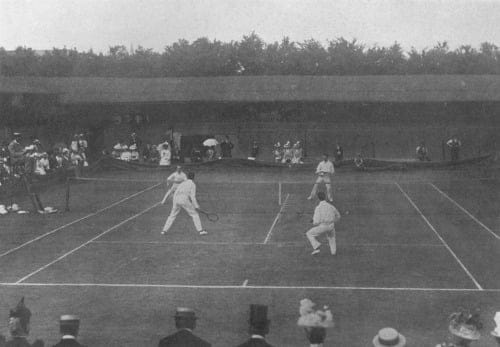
{"x":184,"y":203}
{"x":326,"y":180}
{"x":329,"y":230}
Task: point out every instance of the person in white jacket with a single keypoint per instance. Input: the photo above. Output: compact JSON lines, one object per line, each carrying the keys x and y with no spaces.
{"x":185,"y":198}
{"x":324,"y":219}
{"x":324,"y":171}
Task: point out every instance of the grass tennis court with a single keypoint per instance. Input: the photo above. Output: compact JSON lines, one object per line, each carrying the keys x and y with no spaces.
{"x":412,"y":248}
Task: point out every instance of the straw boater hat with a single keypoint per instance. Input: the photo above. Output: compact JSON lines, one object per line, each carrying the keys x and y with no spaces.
{"x":389,"y":337}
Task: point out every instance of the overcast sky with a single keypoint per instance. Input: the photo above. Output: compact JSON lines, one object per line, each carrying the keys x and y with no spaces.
{"x":98,"y":24}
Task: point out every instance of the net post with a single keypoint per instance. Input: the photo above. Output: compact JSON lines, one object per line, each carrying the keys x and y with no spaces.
{"x":66,"y":207}
{"x":279,"y":193}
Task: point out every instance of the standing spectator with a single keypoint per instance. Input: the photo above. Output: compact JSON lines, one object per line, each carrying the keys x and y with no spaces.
{"x":422,"y":153}
{"x":84,"y":146}
{"x":226,"y":146}
{"x":297,"y":153}
{"x":165,"y":154}
{"x":324,"y":219}
{"x":4,"y":182}
{"x":75,"y":143}
{"x":259,"y":327}
{"x":339,"y":153}
{"x":254,"y":152}
{"x":185,"y":322}
{"x":135,"y":145}
{"x":4,"y":152}
{"x":287,"y":153}
{"x":16,"y":153}
{"x":19,"y":327}
{"x":69,"y":326}
{"x":454,"y":144}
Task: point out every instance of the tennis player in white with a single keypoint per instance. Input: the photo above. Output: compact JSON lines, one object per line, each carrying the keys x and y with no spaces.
{"x":324,"y":171}
{"x":176,"y":178}
{"x":185,"y":198}
{"x":324,"y":219}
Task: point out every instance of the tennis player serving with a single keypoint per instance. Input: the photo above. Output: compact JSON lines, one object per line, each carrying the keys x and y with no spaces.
{"x":324,"y":171}
{"x":185,"y":198}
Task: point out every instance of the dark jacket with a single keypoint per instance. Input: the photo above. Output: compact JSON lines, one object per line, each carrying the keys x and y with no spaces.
{"x":68,"y":343}
{"x":183,"y":338}
{"x":252,"y":342}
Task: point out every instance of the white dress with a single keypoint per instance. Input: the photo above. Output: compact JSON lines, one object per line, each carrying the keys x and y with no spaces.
{"x":165,"y":156}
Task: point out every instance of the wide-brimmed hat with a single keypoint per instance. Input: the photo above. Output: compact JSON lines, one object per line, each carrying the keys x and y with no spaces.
{"x":389,"y":337}
{"x":465,"y":331}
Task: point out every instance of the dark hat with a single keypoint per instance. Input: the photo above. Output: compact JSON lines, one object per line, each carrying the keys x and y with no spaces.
{"x":22,"y":313}
{"x":258,"y":315}
{"x":184,"y":312}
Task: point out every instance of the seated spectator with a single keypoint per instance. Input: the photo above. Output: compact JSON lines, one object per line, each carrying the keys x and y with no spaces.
{"x":421,"y":151}
{"x":496,"y":332}
{"x":185,"y":322}
{"x":389,"y":337}
{"x":464,"y":328}
{"x":277,"y":152}
{"x":254,"y":151}
{"x":258,"y":327}
{"x":69,"y":326}
{"x":76,"y":159}
{"x":42,"y":164}
{"x":287,"y":153}
{"x":118,"y":149}
{"x":196,"y":156}
{"x":83,"y":147}
{"x":359,"y":162}
{"x":19,"y":327}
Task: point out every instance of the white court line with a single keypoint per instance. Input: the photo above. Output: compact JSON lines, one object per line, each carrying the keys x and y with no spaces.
{"x":268,"y":236}
{"x":77,"y":220}
{"x":465,"y":211}
{"x":476,"y":283}
{"x":89,"y":241}
{"x":187,"y":286}
{"x":276,"y":244}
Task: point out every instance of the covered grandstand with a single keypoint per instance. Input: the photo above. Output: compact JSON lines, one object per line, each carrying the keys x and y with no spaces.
{"x":380,"y":116}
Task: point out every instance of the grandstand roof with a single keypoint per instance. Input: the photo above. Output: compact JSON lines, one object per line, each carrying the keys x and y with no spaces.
{"x":409,"y":88}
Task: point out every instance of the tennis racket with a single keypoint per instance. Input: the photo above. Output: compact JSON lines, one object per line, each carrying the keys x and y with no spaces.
{"x":213,"y":217}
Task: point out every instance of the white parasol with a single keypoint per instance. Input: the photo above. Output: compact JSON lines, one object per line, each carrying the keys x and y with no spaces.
{"x":210,"y":143}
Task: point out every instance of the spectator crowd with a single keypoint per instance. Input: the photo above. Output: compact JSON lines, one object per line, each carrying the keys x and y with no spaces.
{"x":464,"y":329}
{"x":22,"y":162}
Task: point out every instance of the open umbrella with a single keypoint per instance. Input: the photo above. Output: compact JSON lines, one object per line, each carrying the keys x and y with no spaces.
{"x":210,"y":143}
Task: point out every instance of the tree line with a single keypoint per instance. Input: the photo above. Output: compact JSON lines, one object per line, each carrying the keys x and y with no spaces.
{"x":252,"y":56}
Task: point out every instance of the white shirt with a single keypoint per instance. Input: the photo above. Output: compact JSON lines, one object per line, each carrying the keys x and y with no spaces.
{"x":177,"y":177}
{"x":326,"y":167}
{"x":325,"y":213}
{"x":187,"y":189}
